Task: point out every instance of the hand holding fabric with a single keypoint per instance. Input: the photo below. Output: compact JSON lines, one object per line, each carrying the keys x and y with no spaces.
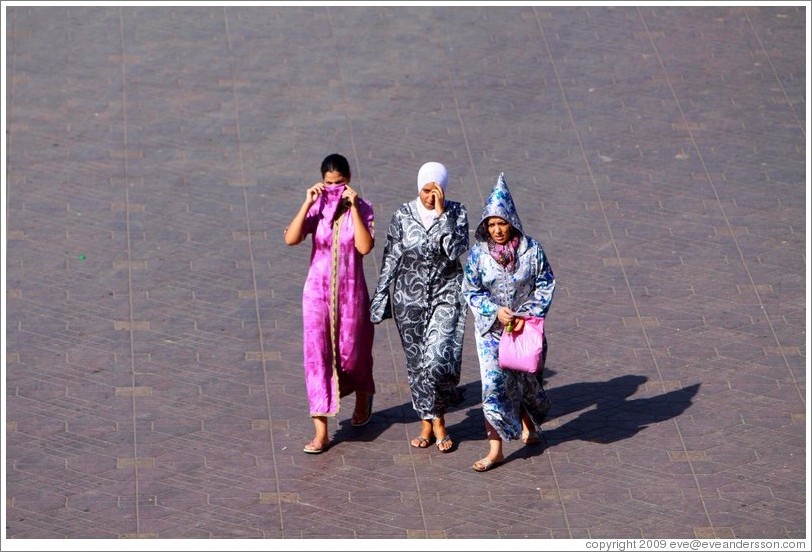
{"x":350,"y":196}
{"x":313,"y":193}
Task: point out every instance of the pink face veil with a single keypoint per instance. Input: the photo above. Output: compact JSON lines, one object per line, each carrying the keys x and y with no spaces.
{"x":331,"y":198}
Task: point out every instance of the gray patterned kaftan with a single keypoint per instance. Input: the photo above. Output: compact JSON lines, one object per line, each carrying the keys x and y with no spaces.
{"x":424,"y":265}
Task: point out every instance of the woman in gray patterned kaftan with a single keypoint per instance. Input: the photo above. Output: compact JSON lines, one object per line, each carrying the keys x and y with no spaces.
{"x":424,"y":243}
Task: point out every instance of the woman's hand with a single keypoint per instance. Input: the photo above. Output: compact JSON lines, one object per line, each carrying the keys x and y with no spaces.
{"x":350,"y":196}
{"x":439,"y":199}
{"x":518,"y":324}
{"x":313,"y":192}
{"x":508,"y":319}
{"x":505,"y":315}
{"x":293,"y":231}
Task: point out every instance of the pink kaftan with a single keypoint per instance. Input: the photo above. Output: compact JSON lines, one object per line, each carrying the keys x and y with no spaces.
{"x":335,"y":307}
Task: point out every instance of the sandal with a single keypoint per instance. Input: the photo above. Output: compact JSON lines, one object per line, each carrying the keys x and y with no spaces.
{"x":310,"y":448}
{"x":485,"y":464}
{"x":443,"y":441}
{"x":369,"y":414}
{"x":530,"y":437}
{"x":420,"y":442}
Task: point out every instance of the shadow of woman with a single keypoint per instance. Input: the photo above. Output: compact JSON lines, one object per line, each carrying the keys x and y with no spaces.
{"x":614,"y":418}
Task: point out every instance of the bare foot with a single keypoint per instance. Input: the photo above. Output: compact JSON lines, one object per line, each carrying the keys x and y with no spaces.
{"x":421,"y":442}
{"x":426,"y":435}
{"x":444,"y":442}
{"x":530,"y":437}
{"x":487,"y":463}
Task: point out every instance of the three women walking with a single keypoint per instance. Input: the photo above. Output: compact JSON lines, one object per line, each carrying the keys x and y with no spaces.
{"x":506,"y":278}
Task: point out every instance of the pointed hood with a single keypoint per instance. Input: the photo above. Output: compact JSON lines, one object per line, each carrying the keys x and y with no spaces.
{"x":499,"y":204}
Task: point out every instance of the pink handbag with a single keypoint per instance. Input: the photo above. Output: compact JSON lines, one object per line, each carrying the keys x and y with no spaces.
{"x":522,"y":351}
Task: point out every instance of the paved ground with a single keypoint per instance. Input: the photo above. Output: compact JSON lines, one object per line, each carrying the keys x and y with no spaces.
{"x":153,"y":379}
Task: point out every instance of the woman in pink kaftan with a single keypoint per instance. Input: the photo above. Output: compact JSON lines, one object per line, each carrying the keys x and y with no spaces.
{"x":338,"y":333}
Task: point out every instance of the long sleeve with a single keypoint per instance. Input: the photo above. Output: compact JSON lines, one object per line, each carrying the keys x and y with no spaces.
{"x":542,"y":297}
{"x":454,"y":231}
{"x":381,"y":303}
{"x":476,"y":295}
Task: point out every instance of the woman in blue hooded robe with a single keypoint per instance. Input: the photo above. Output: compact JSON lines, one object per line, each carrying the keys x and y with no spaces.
{"x":507,"y":277}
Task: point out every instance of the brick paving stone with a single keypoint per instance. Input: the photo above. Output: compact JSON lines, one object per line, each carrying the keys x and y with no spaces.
{"x":154,"y":155}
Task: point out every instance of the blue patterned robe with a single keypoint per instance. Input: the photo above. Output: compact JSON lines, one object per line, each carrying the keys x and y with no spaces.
{"x":527,"y":291}
{"x":424,"y":265}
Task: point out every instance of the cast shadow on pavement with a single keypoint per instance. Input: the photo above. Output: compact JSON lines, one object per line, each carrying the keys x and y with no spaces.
{"x":404,"y":413}
{"x":615,"y":416}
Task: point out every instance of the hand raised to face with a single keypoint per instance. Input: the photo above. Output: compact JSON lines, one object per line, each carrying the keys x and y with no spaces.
{"x":350,"y":196}
{"x":433,"y":197}
{"x":313,"y":192}
{"x":439,"y":199}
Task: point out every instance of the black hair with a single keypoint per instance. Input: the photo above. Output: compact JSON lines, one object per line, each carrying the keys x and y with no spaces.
{"x":335,"y":162}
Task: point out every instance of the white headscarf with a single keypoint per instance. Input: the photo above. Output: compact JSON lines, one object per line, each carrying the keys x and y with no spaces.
{"x":430,"y":172}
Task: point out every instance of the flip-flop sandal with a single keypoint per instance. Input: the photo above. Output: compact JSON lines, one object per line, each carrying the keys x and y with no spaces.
{"x":314,"y":450}
{"x":530,"y":438}
{"x":369,"y":414}
{"x":422,"y":442}
{"x":485,"y":464}
{"x":444,"y":440}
